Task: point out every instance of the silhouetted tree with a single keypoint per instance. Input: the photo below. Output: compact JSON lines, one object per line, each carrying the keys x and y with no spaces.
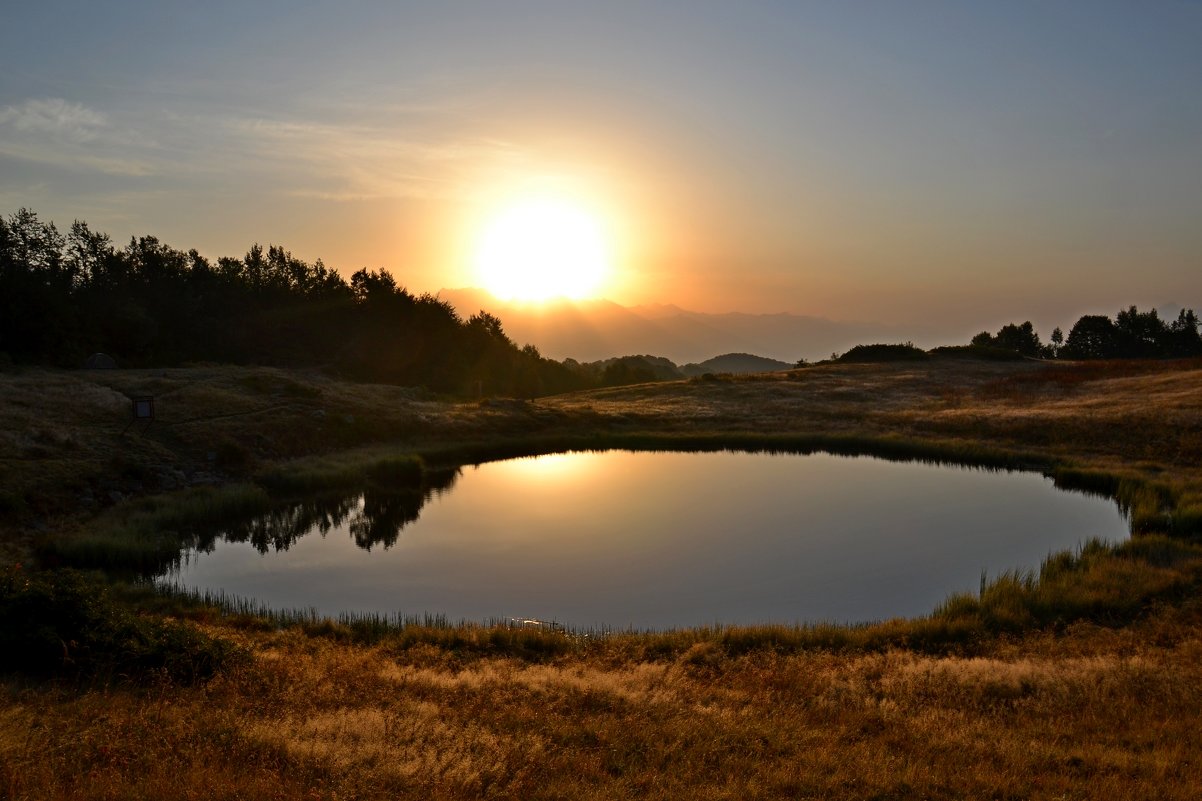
{"x":1091,"y":337}
{"x":1020,"y":339}
{"x":37,"y":317}
{"x":981,"y":340}
{"x":1134,"y":335}
{"x":1182,"y":338}
{"x":1057,"y":340}
{"x":1140,"y":334}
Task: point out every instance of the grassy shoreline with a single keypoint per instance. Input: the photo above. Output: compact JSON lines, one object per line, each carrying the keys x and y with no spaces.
{"x":149,"y":533}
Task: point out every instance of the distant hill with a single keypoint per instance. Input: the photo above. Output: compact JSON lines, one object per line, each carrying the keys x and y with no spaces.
{"x":736,"y":363}
{"x":594,"y":330}
{"x":641,"y":369}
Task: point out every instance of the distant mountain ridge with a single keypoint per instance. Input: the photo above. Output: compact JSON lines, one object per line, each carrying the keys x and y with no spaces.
{"x":595,"y":330}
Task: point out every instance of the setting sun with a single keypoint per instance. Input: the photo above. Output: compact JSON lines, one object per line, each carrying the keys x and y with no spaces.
{"x":543,"y":248}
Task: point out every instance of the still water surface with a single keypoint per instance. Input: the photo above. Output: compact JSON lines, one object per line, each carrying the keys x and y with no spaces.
{"x":658,"y":540}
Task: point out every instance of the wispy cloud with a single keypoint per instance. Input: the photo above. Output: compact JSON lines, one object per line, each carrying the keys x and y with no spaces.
{"x":348,"y":162}
{"x":59,"y":132}
{"x":55,"y":117}
{"x":388,"y":152}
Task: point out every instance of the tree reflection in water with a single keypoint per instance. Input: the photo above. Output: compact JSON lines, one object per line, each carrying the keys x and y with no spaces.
{"x":376,"y":517}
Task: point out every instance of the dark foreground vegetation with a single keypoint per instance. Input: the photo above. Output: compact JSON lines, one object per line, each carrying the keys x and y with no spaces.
{"x":67,"y":624}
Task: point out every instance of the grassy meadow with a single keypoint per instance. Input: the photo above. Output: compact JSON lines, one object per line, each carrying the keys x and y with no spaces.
{"x":1079,"y":680}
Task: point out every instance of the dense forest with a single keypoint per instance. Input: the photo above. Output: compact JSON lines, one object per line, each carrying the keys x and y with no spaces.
{"x":66,"y":296}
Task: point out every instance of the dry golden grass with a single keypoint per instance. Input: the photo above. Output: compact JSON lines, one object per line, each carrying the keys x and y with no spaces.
{"x":1080,"y":410}
{"x":1090,"y":713}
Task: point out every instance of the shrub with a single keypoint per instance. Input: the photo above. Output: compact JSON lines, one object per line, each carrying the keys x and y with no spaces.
{"x":884,"y":353}
{"x":66,"y":623}
{"x":982,"y":352}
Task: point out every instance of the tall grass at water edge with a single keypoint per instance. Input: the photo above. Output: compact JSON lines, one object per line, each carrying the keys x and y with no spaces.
{"x":344,"y":471}
{"x":885,"y":447}
{"x":525,"y":638}
{"x":146,"y":535}
{"x":1152,"y":506}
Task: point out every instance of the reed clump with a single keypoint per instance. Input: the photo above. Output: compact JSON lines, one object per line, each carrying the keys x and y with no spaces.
{"x":147,"y":535}
{"x":1101,"y":583}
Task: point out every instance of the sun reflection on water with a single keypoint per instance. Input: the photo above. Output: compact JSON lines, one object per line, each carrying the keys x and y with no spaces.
{"x":552,"y":468}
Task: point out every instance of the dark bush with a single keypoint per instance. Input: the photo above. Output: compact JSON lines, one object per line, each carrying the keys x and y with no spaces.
{"x":986,"y":353}
{"x":884,"y":353}
{"x":66,"y":623}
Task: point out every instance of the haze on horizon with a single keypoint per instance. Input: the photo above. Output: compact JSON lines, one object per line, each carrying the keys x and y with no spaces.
{"x":969,"y":164}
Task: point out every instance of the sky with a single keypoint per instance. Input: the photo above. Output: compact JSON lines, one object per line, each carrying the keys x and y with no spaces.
{"x":907,"y":162}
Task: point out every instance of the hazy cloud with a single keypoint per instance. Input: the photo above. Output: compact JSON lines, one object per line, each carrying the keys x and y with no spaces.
{"x":366,"y":162}
{"x":65,"y":134}
{"x":54,"y":116}
{"x":403,"y":152}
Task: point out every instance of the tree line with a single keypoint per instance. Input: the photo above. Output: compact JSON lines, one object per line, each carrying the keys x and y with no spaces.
{"x":65,"y":296}
{"x":1132,"y":334}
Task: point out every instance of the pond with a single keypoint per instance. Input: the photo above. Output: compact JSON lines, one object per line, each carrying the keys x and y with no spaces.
{"x":656,"y":540}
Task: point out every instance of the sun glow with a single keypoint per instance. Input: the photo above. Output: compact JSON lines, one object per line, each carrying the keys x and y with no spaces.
{"x":541,"y":248}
